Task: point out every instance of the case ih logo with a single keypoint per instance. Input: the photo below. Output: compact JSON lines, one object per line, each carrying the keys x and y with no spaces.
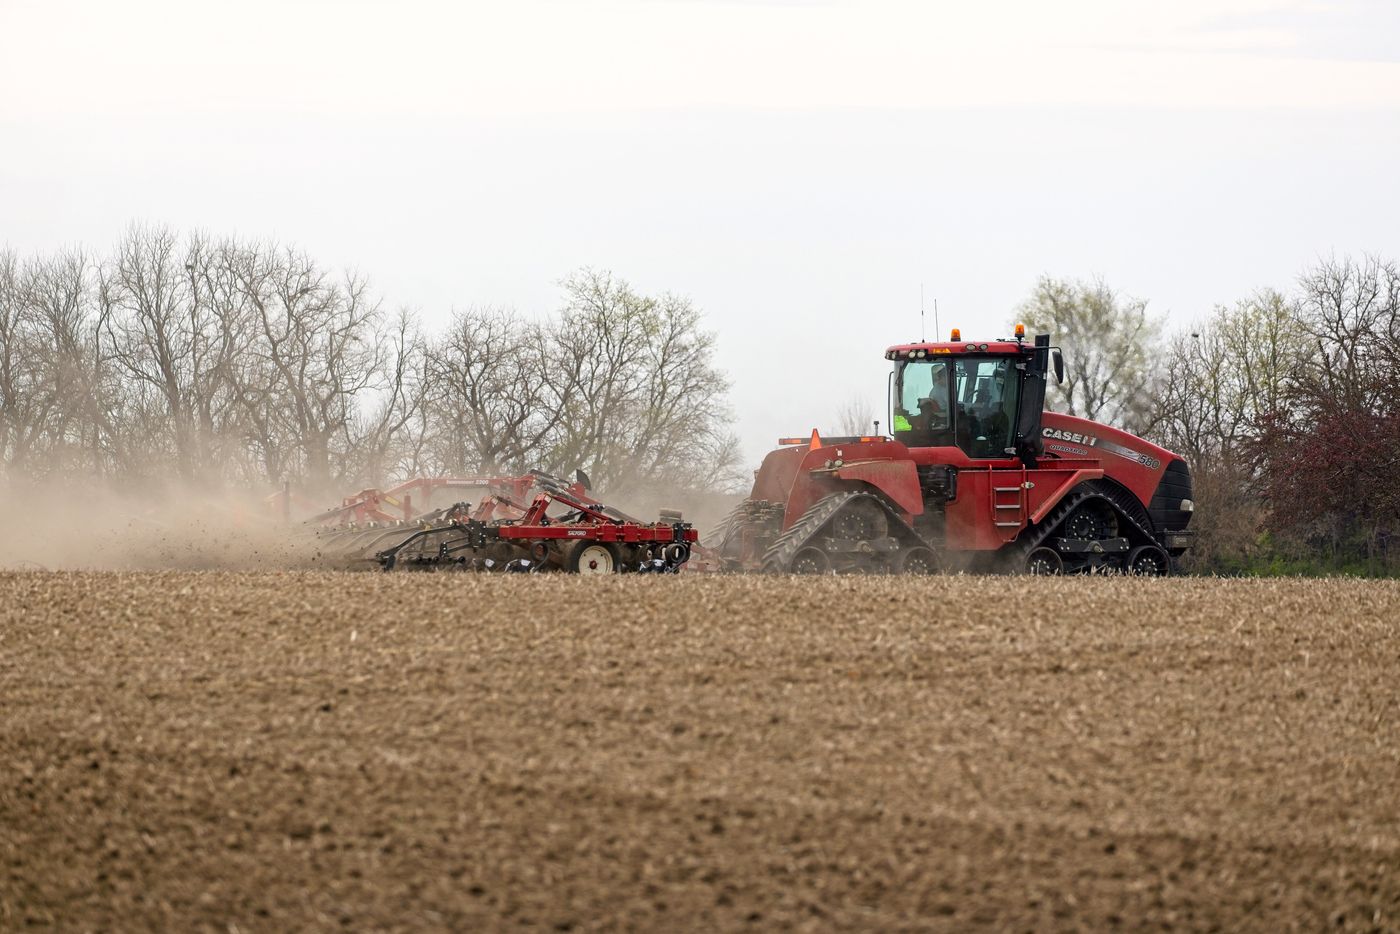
{"x":1070,"y":436}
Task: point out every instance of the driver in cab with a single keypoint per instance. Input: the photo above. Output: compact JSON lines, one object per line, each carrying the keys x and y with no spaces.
{"x":932,"y":415}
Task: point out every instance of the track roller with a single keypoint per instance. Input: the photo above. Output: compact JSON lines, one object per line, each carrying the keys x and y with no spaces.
{"x":916,"y":560}
{"x":1148,"y":561}
{"x":1044,"y":560}
{"x":811,"y":560}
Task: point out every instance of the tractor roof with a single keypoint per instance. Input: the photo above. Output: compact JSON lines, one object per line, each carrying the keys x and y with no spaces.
{"x":937,"y":348}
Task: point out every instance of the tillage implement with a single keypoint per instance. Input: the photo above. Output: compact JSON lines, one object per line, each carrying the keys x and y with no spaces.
{"x":530,"y":523}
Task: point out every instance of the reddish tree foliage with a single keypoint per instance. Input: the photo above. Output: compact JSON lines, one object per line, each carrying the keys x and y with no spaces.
{"x":1331,"y":478}
{"x":1330,"y":459}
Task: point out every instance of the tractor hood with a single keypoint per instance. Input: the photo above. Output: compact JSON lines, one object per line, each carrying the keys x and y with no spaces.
{"x":1134,"y":462}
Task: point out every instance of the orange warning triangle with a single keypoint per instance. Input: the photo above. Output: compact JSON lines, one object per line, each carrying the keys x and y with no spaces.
{"x":816,"y":440}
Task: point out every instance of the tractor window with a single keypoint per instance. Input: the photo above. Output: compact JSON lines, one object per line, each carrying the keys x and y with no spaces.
{"x":922,"y":411}
{"x":985,"y":390}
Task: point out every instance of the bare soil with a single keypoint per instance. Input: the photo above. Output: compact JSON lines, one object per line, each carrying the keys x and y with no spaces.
{"x":363,"y":751}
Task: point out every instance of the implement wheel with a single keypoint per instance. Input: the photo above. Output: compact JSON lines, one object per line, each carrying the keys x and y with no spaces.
{"x":591,"y":558}
{"x":1044,"y":560}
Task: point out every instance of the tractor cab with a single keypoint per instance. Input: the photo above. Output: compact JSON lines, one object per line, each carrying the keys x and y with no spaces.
{"x":982,"y":398}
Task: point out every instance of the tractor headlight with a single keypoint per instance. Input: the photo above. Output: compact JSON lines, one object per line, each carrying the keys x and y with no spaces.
{"x":1187,"y":506}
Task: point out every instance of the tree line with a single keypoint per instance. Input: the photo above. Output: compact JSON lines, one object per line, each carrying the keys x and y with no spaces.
{"x":223,"y":363}
{"x":228,"y":362}
{"x":1286,"y":405}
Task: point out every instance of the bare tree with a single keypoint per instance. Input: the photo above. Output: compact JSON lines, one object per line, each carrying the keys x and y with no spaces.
{"x":638,"y":392}
{"x":82,"y":424}
{"x":678,"y":430}
{"x":236,"y":362}
{"x":854,"y":418}
{"x":26,"y":398}
{"x":493,"y":399}
{"x":1227,"y":375}
{"x":1351,"y":310}
{"x":319,"y":341}
{"x":172,"y":335}
{"x":1110,"y":343}
{"x":598,"y":346}
{"x":1227,"y":379}
{"x":1330,"y":465}
{"x":391,"y":439}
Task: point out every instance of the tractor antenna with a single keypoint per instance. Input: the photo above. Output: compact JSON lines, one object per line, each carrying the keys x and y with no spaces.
{"x":921,"y":314}
{"x":936,"y":328}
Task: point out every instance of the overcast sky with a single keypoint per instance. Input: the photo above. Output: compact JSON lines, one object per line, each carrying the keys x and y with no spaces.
{"x":797,"y":168}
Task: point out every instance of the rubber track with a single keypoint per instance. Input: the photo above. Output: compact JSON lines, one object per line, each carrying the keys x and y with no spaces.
{"x":1047,"y":528}
{"x":1121,"y":500}
{"x":1128,"y":507}
{"x":778,"y":557}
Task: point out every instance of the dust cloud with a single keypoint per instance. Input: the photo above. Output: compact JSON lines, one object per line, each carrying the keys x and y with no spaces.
{"x":93,"y":526}
{"x":702,"y":509}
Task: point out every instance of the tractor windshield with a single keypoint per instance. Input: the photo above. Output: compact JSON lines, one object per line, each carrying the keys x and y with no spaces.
{"x":966,"y":401}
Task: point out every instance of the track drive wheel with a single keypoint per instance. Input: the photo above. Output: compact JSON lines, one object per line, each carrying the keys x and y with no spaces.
{"x":1044,"y":560}
{"x":1093,"y":521}
{"x":1148,"y":561}
{"x":917,"y":560}
{"x":591,"y":558}
{"x":861,"y":520}
{"x":811,"y":560}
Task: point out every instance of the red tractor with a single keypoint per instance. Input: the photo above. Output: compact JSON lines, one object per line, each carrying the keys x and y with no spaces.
{"x":977,"y":477}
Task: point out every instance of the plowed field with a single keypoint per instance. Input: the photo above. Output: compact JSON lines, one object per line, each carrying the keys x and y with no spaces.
{"x":369,"y":751}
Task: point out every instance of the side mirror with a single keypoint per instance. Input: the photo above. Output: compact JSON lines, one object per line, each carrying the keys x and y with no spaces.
{"x":1059,"y":362}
